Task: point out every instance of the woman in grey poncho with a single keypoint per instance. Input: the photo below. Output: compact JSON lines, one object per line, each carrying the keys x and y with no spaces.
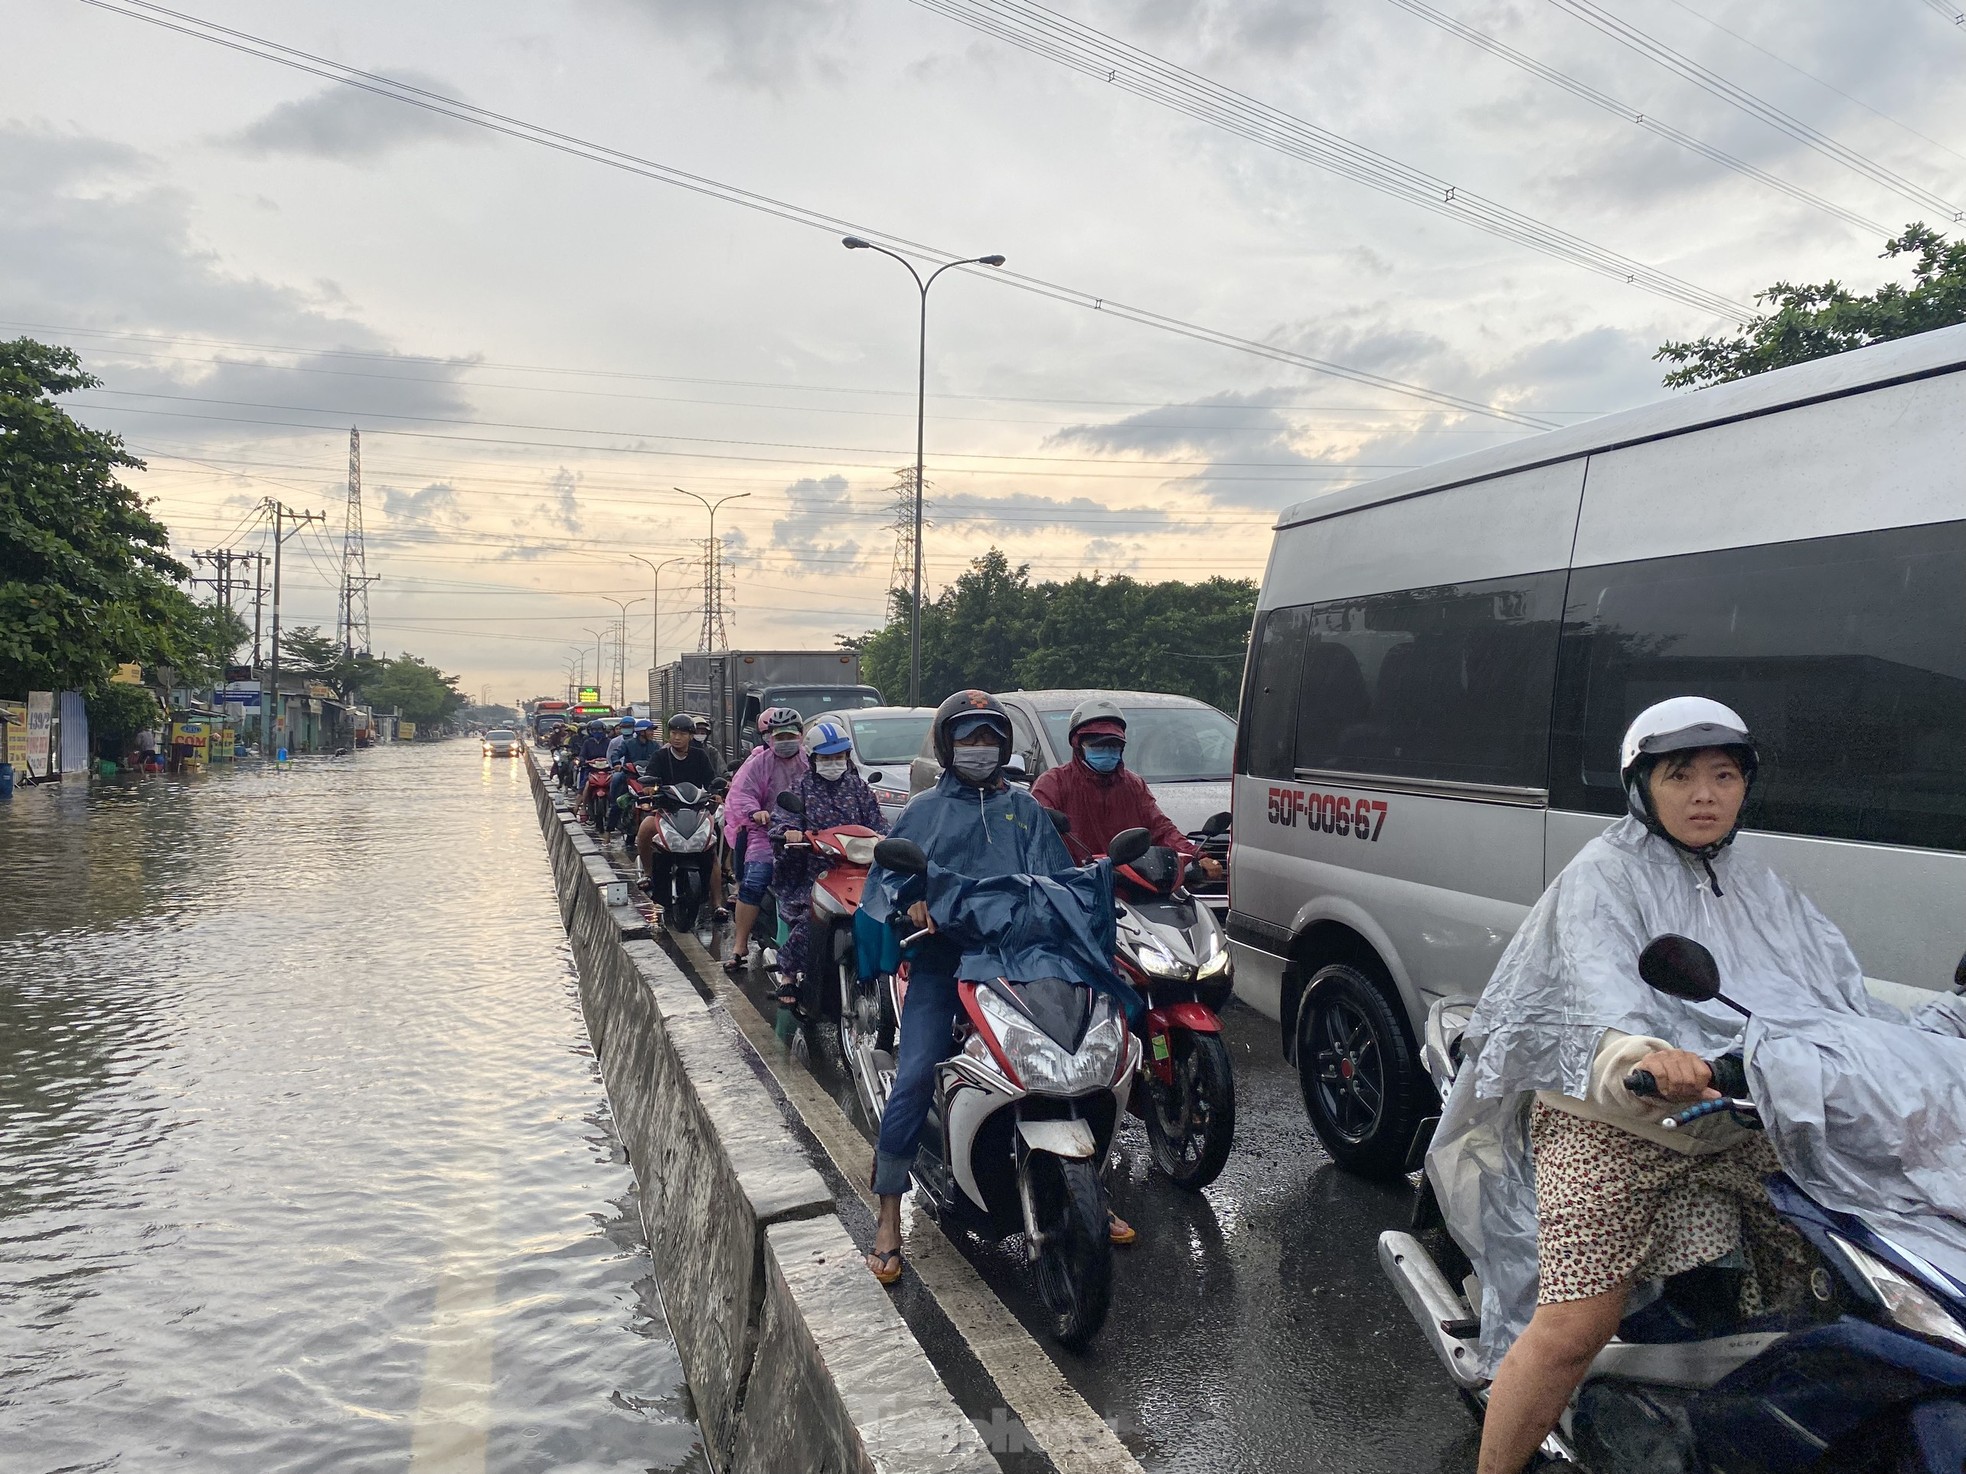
{"x":1612,"y":1199}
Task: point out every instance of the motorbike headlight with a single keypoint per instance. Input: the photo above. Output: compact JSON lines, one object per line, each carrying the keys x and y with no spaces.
{"x":1214,"y":950}
{"x":1904,"y":1303}
{"x":1036,"y":1059}
{"x":1156,"y":960}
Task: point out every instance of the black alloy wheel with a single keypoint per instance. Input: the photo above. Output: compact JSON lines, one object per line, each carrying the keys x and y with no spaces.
{"x":1361,"y":1081}
{"x":1075,"y":1266}
{"x":1191,"y":1124}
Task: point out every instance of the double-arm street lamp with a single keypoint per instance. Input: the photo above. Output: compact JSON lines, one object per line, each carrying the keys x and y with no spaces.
{"x":855,"y":243}
{"x":713,"y":565}
{"x":621,"y":642}
{"x":655,"y":603}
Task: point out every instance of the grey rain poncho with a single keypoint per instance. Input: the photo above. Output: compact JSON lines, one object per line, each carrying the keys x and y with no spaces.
{"x":1867,"y":1113}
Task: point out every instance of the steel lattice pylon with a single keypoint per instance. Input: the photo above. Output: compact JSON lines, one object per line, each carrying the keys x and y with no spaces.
{"x":352,"y":610}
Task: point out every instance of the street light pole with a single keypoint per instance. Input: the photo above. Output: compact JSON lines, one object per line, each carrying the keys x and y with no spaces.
{"x":600,"y":641}
{"x":621,"y":640}
{"x":655,"y":605}
{"x":855,"y":243}
{"x":712,"y":561}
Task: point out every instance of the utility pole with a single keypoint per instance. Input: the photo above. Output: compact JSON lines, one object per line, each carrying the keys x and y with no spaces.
{"x":618,"y":696}
{"x":286,"y":522}
{"x":714,"y":636}
{"x":259,"y":603}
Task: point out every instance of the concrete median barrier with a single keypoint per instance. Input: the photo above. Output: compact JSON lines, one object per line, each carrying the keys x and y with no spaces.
{"x":795,"y":1358}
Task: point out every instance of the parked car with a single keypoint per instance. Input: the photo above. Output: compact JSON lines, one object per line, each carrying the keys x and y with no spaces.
{"x":1443,"y":662}
{"x":501,"y":742}
{"x":885,"y":741}
{"x":1181,"y":746}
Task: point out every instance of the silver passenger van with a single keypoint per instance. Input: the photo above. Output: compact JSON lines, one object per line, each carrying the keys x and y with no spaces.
{"x":1443,"y":662}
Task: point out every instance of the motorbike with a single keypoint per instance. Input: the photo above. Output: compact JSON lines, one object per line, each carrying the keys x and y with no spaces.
{"x":847,"y":852}
{"x":1172,"y":949}
{"x":1868,"y":1375}
{"x":686,"y":830}
{"x":563,"y":767}
{"x":594,"y":793}
{"x":1023,"y":1114}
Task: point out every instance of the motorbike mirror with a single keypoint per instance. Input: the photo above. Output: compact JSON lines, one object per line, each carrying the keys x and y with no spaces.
{"x":790,"y":802}
{"x":1682,"y":968}
{"x":1959,"y":976}
{"x":903,"y":856}
{"x":1129,"y":845}
{"x":1062,"y":822}
{"x":1017,"y":770}
{"x":1217,"y":824}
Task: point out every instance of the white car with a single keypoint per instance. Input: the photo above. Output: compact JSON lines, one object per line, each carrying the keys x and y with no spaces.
{"x":885,"y":741}
{"x":501,"y":742}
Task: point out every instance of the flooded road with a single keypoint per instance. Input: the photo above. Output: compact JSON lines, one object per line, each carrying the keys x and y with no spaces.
{"x":305,"y":1163}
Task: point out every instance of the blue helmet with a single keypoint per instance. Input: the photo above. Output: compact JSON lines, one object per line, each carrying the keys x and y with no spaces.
{"x":597,"y":728}
{"x":643,"y":724}
{"x":826,"y":737}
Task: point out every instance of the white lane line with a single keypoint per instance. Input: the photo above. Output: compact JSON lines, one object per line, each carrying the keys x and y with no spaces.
{"x":1062,"y":1423}
{"x":449,"y":1433}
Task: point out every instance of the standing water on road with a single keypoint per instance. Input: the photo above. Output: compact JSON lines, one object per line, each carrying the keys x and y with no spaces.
{"x":305,"y":1163}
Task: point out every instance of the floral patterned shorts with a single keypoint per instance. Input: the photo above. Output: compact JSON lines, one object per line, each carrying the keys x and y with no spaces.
{"x":1614,"y":1209}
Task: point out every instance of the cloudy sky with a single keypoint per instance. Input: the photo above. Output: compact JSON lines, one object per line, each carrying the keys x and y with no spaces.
{"x":538,"y":346}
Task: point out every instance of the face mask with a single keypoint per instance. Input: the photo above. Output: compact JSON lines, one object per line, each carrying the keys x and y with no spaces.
{"x":832,"y":769}
{"x":785,"y":746}
{"x":1102,"y":759}
{"x":977,"y":764}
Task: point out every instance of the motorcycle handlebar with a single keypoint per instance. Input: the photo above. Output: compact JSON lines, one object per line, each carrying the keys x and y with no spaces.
{"x":1642,"y":1082}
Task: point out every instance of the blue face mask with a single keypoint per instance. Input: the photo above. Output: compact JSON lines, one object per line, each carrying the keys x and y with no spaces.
{"x":1102,"y":759}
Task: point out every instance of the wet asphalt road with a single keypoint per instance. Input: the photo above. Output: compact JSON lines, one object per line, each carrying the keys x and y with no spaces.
{"x":1251,"y":1328}
{"x":305,"y":1163}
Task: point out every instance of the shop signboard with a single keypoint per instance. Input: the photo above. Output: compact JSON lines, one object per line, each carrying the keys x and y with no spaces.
{"x":15,"y":751}
{"x":406,"y":731}
{"x":40,"y":722}
{"x":190,"y":738}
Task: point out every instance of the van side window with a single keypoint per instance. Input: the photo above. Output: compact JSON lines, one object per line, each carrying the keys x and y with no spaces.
{"x":1449,"y":684}
{"x":1846,"y":655}
{"x":1269,"y":727}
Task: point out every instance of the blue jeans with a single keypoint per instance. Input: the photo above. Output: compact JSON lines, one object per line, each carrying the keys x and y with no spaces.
{"x":928,"y":1021}
{"x":617,"y":785}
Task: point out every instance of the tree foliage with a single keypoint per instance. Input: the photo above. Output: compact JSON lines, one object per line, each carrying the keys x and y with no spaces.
{"x":118,"y":711}
{"x":1815,"y":321}
{"x":419,"y":691}
{"x":86,"y":578}
{"x":306,"y":652}
{"x":996,"y":629}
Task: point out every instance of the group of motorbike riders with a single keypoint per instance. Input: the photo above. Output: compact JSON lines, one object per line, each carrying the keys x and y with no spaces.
{"x":1575,"y":1196}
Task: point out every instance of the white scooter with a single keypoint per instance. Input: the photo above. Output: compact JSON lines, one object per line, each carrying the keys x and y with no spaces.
{"x":1023,"y":1114}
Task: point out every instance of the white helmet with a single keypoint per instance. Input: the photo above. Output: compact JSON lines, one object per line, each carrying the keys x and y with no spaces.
{"x":1681,"y":724}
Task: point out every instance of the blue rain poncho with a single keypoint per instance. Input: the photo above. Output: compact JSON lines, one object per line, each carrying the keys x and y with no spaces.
{"x":1006,"y":898}
{"x":1821,"y":1054}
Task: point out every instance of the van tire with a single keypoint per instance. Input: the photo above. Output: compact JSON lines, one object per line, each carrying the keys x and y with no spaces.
{"x":1361,"y":1079}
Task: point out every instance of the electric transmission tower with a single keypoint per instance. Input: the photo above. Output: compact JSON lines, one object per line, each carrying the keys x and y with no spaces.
{"x":901,"y":575}
{"x":352,"y":610}
{"x":716,"y":596}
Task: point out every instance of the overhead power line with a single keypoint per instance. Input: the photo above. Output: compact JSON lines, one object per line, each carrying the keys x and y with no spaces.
{"x":512,"y":127}
{"x":1950,"y":11}
{"x":1711,"y":82}
{"x":1095,"y":54}
{"x":1610,"y":104}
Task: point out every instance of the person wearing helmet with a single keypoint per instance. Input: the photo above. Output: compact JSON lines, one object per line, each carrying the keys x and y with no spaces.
{"x":633,"y":749}
{"x":679,"y":760}
{"x":1100,"y":795}
{"x":773,"y":766}
{"x":595,"y":743}
{"x":1559,"y":1182}
{"x":975,"y":822}
{"x":833,"y":793}
{"x":704,"y":746}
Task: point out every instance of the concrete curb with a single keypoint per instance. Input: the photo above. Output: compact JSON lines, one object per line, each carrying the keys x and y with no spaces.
{"x":794,"y":1359}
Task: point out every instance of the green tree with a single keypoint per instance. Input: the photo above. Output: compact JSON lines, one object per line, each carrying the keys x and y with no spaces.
{"x":419,"y":691}
{"x":994,"y":628}
{"x":86,"y":580}
{"x":118,"y":711}
{"x":1815,"y":321}
{"x":306,"y":652}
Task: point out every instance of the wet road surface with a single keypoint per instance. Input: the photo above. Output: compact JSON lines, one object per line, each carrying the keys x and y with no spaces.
{"x":1251,"y":1328}
{"x":304,"y":1160}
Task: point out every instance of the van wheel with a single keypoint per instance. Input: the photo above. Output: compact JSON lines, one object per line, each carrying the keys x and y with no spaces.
{"x":1362,"y":1084}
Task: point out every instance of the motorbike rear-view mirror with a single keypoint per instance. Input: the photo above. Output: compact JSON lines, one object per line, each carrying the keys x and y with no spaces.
{"x":903,"y":856}
{"x":1129,"y":845}
{"x":1959,"y":976}
{"x":1682,"y":968}
{"x":1060,"y":820}
{"x":1217,"y":824}
{"x":1016,"y":769}
{"x":790,"y":802}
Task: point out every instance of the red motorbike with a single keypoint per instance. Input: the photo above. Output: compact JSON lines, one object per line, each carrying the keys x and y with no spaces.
{"x":847,"y":853}
{"x":1173,"y":951}
{"x":594,"y":793}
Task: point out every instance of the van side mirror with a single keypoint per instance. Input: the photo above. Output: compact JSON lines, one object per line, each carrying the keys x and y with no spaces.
{"x":873,"y":777}
{"x":1217,"y":824}
{"x":1959,"y":976}
{"x":1129,"y":845}
{"x":902,"y":856}
{"x":1680,"y":967}
{"x":790,"y":802}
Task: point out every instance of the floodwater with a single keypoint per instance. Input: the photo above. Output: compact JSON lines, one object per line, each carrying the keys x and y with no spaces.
{"x":305,"y":1163}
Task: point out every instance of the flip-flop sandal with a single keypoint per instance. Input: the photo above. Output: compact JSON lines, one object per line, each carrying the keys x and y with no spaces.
{"x":1119,"y":1233}
{"x":890,"y":1265}
{"x":737,"y":964}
